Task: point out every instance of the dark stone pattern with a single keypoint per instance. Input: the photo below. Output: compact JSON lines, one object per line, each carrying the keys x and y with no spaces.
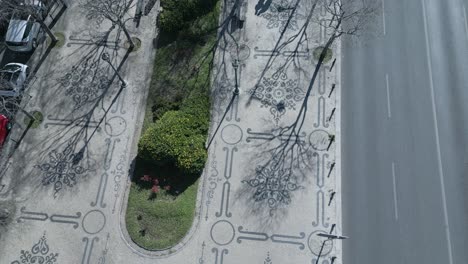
{"x":105,"y":251}
{"x":88,"y":249}
{"x":85,"y":82}
{"x":278,"y":93}
{"x":219,"y":254}
{"x":55,"y":218}
{"x":62,"y":169}
{"x":278,"y":15}
{"x":245,"y":235}
{"x":225,"y":193}
{"x":274,"y":186}
{"x":268,"y":259}
{"x":213,"y":181}
{"x":39,"y":254}
{"x":201,"y":260}
{"x":119,"y":172}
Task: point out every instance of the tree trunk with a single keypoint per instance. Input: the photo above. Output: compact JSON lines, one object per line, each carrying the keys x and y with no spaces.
{"x":63,"y":3}
{"x":122,"y":26}
{"x":22,"y":110}
{"x":47,"y":30}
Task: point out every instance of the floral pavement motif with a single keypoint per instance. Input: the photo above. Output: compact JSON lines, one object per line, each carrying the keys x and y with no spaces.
{"x":39,"y":254}
{"x":279,"y":13}
{"x":278,"y":93}
{"x":85,"y":82}
{"x":273,"y":186}
{"x":61,"y":169}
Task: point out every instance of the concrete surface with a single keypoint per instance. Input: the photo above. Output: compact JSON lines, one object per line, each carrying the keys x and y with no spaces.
{"x":70,"y":177}
{"x":405,"y":136}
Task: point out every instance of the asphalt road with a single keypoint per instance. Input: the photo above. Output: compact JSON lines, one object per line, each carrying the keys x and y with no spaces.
{"x":405,"y":136}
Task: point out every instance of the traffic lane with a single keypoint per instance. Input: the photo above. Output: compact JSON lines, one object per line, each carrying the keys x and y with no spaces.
{"x":422,"y":229}
{"x":367,"y":180}
{"x":356,"y":189}
{"x":410,"y":229}
{"x":421,"y":214}
{"x":450,"y":59}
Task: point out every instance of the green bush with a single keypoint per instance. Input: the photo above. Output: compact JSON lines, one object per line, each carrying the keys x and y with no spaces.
{"x":178,"y":137}
{"x":177,"y":14}
{"x":198,"y":107}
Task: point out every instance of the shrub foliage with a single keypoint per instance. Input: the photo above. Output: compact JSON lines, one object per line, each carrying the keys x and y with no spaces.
{"x":178,"y":137}
{"x":177,"y":14}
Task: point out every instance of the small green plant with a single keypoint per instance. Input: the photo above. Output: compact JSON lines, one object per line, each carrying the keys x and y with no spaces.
{"x":38,"y":118}
{"x":318,"y":51}
{"x":178,"y":14}
{"x":136,"y":42}
{"x":60,"y":40}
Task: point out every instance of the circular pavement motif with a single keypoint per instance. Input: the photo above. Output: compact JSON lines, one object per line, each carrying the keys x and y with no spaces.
{"x":231,"y":134}
{"x":278,"y":94}
{"x":319,"y":139}
{"x":222,"y":232}
{"x":316,"y":243}
{"x":93,"y":222}
{"x":115,"y":126}
{"x":244,"y":52}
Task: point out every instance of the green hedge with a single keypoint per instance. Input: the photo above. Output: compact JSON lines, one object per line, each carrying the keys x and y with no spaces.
{"x":177,"y":14}
{"x":178,"y":138}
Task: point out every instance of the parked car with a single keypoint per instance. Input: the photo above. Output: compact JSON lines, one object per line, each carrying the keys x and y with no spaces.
{"x":12,"y":79}
{"x":23,"y":30}
{"x":4,"y":129}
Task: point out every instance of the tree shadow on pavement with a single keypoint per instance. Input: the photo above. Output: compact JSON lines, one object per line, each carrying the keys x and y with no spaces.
{"x":85,"y":91}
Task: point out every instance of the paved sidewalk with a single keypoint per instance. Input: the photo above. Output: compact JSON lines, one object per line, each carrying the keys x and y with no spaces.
{"x":264,"y":195}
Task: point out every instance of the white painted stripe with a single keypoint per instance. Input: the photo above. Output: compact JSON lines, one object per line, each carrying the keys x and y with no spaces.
{"x":383,"y":18}
{"x":466,"y":20}
{"x":436,"y":128}
{"x":395,"y":201}
{"x":389,"y":110}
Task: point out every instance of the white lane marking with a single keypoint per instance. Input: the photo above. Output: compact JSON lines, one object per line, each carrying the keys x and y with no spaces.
{"x":436,"y":128}
{"x":394,"y":191}
{"x":466,"y":21}
{"x":383,"y":18}
{"x":389,"y":110}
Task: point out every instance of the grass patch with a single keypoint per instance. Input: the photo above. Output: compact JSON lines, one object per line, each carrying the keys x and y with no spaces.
{"x":60,"y":40}
{"x":158,"y":221}
{"x":38,"y":118}
{"x":328,"y":54}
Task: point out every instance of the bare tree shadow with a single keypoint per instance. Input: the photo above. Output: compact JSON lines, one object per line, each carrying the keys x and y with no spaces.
{"x":286,"y":159}
{"x":64,"y":158}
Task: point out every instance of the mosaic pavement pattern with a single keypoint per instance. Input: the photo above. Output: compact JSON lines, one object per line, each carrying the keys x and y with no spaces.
{"x":244,"y":202}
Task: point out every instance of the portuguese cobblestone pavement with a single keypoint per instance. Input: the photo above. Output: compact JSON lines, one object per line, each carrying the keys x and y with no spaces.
{"x":259,"y":202}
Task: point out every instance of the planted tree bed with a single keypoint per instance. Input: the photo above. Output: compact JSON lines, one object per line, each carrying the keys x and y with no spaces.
{"x":171,"y":153}
{"x":159,"y":217}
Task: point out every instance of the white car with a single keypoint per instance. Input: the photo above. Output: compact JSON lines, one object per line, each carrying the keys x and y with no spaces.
{"x":23,"y":30}
{"x":12,"y":79}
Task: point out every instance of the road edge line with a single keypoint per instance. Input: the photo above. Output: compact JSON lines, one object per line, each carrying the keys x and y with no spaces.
{"x":436,"y":128}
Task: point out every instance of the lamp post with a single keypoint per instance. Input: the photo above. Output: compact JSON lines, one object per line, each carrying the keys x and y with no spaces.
{"x":235,"y":64}
{"x":330,"y":236}
{"x":105,"y":57}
